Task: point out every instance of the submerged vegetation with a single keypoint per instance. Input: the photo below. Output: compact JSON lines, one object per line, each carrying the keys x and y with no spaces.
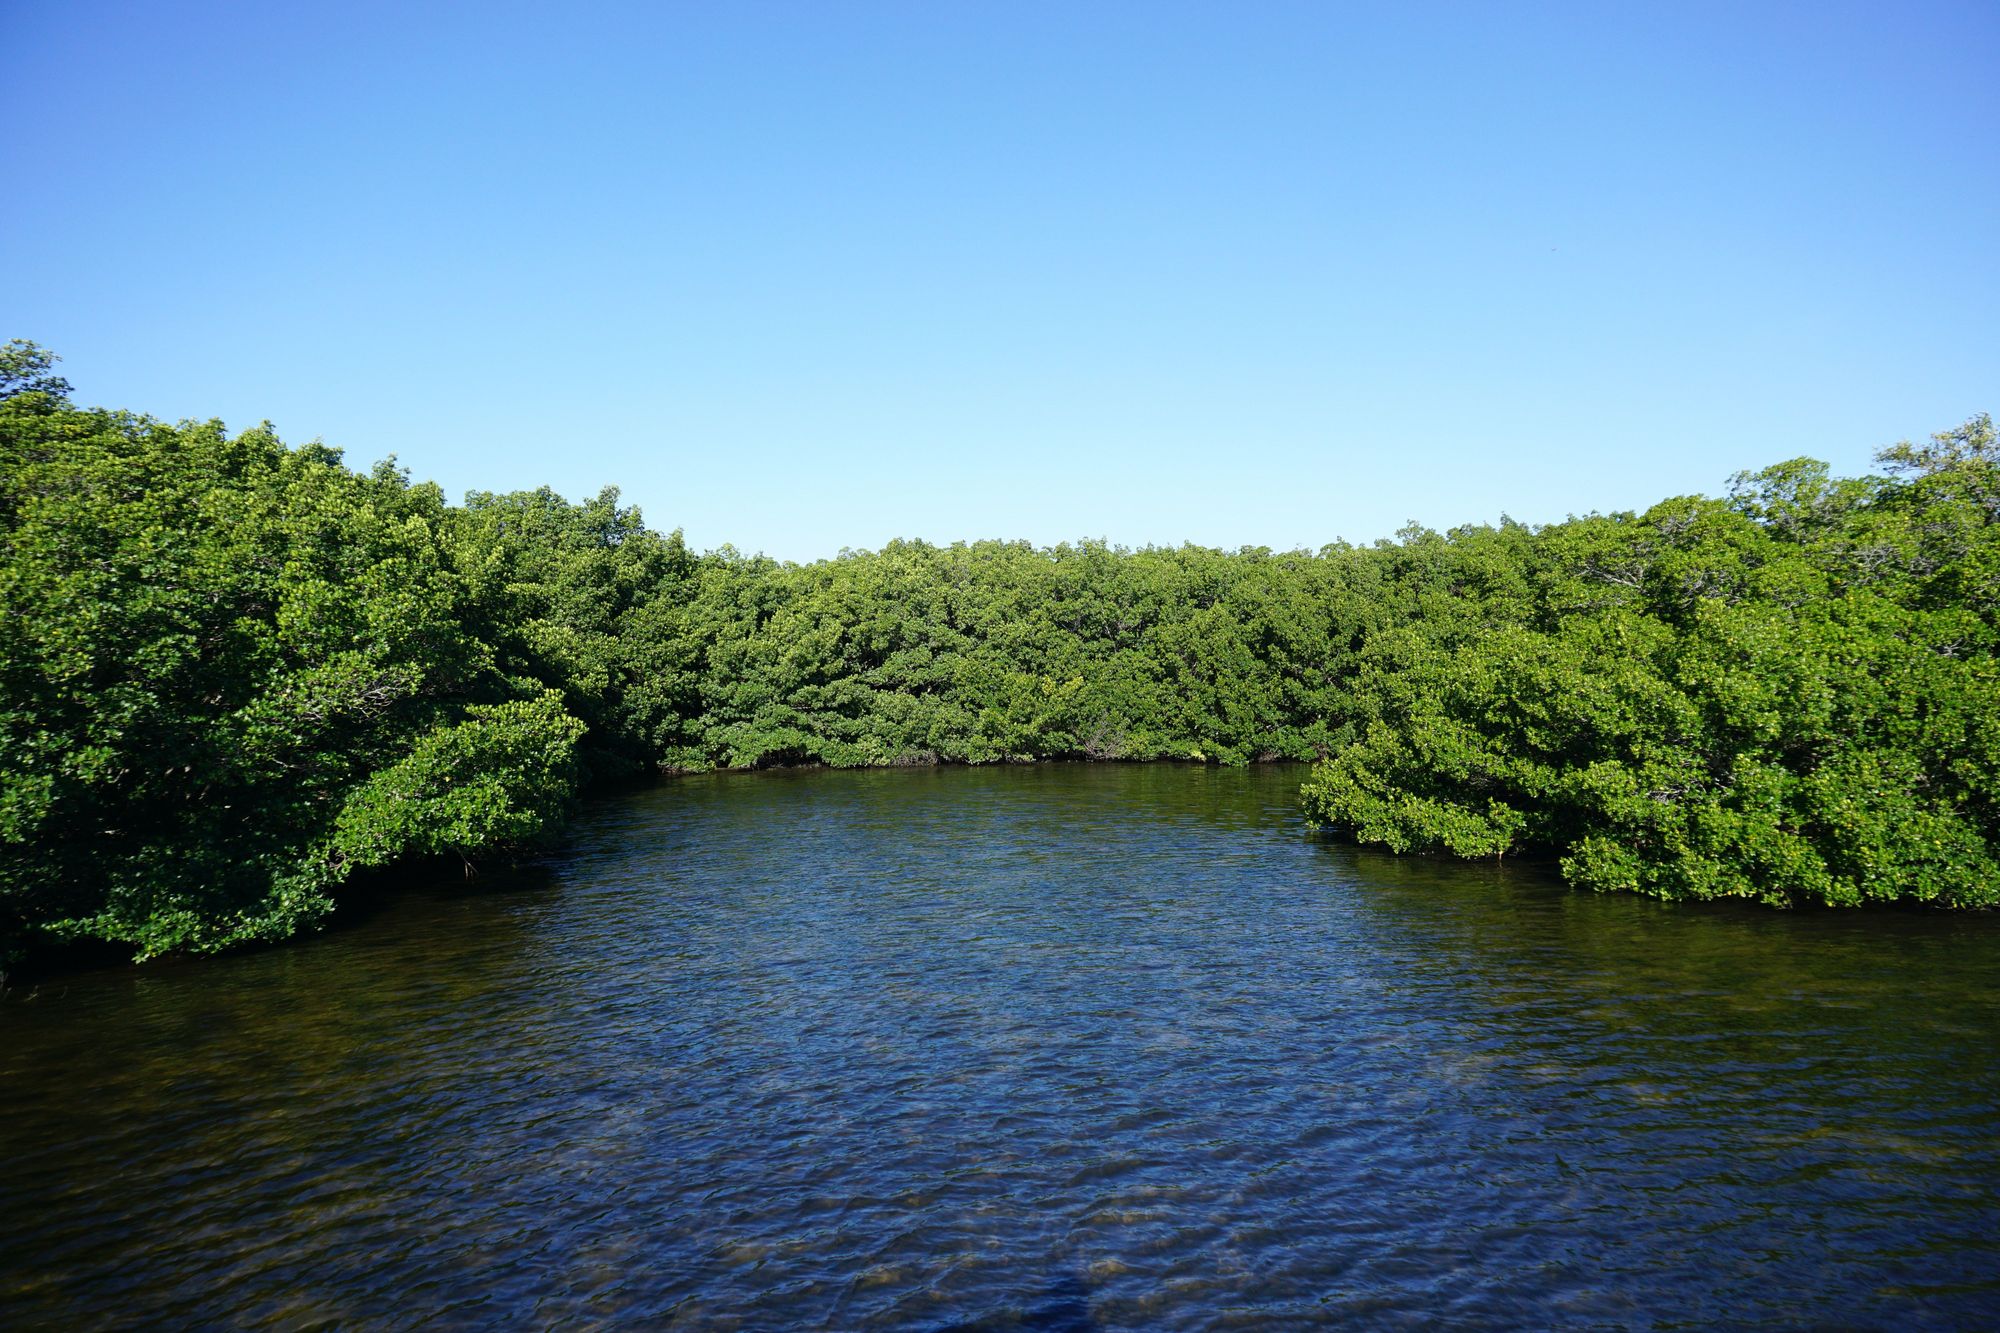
{"x":233,"y":672}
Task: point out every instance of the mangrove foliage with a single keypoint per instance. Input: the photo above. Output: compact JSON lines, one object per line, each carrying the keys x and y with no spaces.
{"x":235,"y":672}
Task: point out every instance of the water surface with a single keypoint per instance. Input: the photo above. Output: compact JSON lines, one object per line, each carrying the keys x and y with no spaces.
{"x":1053,"y":1047}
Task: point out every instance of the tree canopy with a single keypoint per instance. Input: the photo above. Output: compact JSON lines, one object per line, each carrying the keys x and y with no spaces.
{"x":233,"y":672}
{"x":1789,"y":696}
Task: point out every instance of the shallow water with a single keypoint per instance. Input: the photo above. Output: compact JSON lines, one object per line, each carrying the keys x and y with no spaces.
{"x":1052,"y":1047}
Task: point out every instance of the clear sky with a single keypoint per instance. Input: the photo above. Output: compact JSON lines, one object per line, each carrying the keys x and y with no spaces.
{"x":806,"y":276}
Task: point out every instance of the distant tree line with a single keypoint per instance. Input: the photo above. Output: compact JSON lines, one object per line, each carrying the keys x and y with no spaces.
{"x":233,"y":673}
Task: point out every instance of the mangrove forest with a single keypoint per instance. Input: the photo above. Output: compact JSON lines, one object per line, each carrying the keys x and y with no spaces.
{"x":236,"y":673}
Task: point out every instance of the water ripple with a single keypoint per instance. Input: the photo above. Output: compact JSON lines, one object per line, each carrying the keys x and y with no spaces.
{"x":1047,"y":1048}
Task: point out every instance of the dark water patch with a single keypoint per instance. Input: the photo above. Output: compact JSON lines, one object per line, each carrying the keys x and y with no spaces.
{"x":1058,"y":1047}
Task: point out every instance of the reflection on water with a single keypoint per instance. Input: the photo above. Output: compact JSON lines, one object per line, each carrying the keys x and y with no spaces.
{"x":1062,"y":1047}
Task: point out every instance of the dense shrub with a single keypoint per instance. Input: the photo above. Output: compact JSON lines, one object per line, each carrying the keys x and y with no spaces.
{"x":231,"y":672}
{"x":1791,"y":696}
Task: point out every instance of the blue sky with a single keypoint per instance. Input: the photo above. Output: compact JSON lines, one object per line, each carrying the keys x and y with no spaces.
{"x":800,"y":277}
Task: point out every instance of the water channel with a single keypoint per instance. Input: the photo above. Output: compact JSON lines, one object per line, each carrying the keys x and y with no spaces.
{"x":1053,"y":1047}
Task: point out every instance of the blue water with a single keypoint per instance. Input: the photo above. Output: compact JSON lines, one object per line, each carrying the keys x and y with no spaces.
{"x":1054,"y":1047}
